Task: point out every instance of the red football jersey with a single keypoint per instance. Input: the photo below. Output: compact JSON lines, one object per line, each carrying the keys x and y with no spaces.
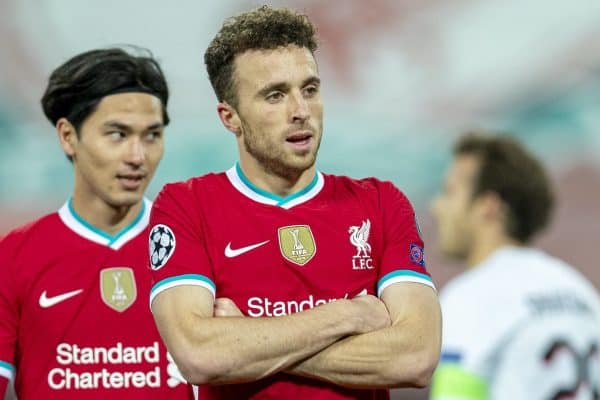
{"x":74,"y":318}
{"x":274,"y":256}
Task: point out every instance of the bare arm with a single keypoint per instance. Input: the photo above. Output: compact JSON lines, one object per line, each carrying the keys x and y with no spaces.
{"x":214,"y":350}
{"x":403,"y":355}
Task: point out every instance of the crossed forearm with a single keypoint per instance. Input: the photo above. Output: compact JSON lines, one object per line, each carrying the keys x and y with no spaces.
{"x":324,"y":343}
{"x":371,"y":360}
{"x":250,"y":349}
{"x":237,"y":349}
{"x":403,"y":355}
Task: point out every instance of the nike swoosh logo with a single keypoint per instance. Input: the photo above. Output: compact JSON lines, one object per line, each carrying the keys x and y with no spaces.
{"x":229,"y":252}
{"x":46,"y":301}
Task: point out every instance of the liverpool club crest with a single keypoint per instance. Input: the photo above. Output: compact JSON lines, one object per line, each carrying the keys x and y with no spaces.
{"x":359,"y":237}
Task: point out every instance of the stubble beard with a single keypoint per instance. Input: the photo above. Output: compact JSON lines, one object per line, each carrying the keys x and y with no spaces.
{"x":277,"y":161}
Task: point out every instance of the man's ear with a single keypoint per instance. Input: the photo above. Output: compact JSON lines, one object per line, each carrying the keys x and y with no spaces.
{"x":230,"y":118}
{"x":491,"y":206}
{"x":67,"y":135}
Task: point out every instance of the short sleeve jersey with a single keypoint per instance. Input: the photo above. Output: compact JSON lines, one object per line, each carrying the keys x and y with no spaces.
{"x":74,"y":319}
{"x":521,"y":325}
{"x":274,"y":256}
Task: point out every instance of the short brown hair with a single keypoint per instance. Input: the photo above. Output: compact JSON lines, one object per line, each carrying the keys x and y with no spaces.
{"x":517,"y":176}
{"x":264,"y":28}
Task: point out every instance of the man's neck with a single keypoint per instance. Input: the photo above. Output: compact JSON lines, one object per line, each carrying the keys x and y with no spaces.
{"x":271,"y":182}
{"x":107,"y":218}
{"x":486,"y":245}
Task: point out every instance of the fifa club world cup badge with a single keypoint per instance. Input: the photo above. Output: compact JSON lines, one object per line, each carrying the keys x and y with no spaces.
{"x":117,"y":288}
{"x":297,"y":243}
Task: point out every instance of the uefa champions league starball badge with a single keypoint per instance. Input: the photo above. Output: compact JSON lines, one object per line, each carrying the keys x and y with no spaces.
{"x":162,"y":246}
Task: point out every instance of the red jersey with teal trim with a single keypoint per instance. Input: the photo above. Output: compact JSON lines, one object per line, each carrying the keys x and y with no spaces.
{"x":275,"y":256}
{"x":74,"y":322}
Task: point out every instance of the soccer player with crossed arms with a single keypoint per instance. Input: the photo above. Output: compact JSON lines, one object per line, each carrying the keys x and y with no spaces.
{"x":74,"y":319}
{"x":273,"y":279}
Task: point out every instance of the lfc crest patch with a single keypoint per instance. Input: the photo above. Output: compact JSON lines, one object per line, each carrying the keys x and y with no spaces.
{"x":297,"y":243}
{"x":359,"y":237}
{"x":117,"y":288}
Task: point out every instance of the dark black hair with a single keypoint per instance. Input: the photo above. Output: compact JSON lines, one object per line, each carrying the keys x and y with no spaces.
{"x":76,"y":87}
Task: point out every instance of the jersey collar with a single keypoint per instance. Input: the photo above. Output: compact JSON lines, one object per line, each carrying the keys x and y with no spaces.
{"x":83,"y":228}
{"x":245,"y":187}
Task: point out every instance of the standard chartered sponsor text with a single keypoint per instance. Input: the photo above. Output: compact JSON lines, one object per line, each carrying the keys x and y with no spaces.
{"x":265,"y":307}
{"x":146,"y":358}
{"x":59,"y":378}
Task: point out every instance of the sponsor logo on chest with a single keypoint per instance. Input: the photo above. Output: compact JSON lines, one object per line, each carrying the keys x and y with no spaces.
{"x":112,"y":367}
{"x":266,"y":307}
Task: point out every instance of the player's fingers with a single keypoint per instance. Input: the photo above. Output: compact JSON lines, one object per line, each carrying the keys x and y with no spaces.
{"x":227,"y":312}
{"x":225,"y":307}
{"x":224,"y":302}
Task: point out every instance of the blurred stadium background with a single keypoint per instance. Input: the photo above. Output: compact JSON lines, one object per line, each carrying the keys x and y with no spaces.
{"x":401,"y":79}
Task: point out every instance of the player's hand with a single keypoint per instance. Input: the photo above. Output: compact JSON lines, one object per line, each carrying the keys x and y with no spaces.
{"x":225,"y":307}
{"x":372,"y":312}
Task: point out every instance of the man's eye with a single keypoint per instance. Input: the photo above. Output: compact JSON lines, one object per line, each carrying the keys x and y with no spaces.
{"x":116,"y":135}
{"x":274,"y":97}
{"x":153,"y":135}
{"x":311,"y":90}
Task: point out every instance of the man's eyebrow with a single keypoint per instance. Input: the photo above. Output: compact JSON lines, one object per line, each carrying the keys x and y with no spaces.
{"x":125,"y":127}
{"x":284,"y":87}
{"x":156,"y":125}
{"x":117,"y":125}
{"x":276,"y":86}
{"x":311,"y":80}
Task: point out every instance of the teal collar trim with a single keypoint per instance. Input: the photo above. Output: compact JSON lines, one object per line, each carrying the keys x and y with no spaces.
{"x":242,"y":183}
{"x":76,"y":223}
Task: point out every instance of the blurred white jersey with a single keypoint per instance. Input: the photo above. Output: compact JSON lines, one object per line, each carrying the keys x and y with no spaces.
{"x":522,"y":325}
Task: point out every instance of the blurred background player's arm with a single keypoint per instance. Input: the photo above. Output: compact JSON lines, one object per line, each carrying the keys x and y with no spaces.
{"x":451,"y":381}
{"x":402,"y":355}
{"x":233,"y":350}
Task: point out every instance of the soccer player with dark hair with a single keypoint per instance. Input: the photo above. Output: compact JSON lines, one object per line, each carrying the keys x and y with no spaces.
{"x":74,"y":321}
{"x":273,"y":279}
{"x":518,"y":324}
